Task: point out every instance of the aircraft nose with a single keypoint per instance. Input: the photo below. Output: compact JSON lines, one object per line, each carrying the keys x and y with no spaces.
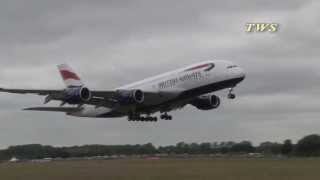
{"x":242,"y":73}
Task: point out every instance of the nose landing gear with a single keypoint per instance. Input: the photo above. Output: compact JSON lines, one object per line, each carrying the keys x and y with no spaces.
{"x":231,"y":95}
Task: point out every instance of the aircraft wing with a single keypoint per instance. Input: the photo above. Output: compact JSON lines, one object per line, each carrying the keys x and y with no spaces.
{"x":48,"y":92}
{"x":148,"y":95}
{"x":99,"y":98}
{"x":31,"y":91}
{"x":53,"y":109}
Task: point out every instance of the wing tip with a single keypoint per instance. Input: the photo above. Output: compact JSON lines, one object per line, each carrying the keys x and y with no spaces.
{"x":27,"y":109}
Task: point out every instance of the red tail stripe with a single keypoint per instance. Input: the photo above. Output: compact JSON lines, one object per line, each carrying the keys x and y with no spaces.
{"x":69,"y":75}
{"x":197,"y":67}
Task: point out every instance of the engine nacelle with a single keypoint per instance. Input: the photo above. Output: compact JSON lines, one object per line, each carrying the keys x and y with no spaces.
{"x":77,"y":95}
{"x":130,"y":96}
{"x":206,"y":102}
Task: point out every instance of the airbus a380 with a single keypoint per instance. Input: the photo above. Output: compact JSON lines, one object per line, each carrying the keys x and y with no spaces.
{"x":138,"y":101}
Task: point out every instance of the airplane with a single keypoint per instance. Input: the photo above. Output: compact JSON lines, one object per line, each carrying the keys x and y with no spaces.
{"x":192,"y":85}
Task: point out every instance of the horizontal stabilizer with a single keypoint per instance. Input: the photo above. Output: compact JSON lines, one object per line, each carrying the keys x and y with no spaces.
{"x":53,"y":109}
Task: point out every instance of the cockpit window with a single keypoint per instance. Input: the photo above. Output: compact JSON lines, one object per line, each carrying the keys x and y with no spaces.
{"x":231,"y":66}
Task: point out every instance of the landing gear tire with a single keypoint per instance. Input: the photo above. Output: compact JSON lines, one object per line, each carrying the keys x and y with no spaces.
{"x":231,"y":96}
{"x":142,"y":118}
{"x":151,"y":119}
{"x":166,"y":116}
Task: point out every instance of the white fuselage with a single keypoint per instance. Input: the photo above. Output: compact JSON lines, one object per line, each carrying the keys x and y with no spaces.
{"x":192,"y":81}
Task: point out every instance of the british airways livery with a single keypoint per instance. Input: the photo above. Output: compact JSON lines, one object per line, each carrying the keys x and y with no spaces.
{"x":138,"y":101}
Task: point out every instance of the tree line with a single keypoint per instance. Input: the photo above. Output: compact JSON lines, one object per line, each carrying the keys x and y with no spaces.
{"x":307,"y":146}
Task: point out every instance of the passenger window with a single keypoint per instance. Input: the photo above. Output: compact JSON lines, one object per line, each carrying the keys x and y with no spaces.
{"x":231,"y":66}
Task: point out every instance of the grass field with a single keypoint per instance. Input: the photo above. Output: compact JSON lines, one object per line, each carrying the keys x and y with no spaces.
{"x":245,"y":169}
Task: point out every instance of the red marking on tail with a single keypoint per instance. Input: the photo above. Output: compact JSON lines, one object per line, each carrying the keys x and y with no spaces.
{"x":69,"y":75}
{"x":197,"y":67}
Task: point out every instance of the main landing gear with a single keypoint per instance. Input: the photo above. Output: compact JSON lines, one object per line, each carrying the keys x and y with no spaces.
{"x":142,"y":118}
{"x":165,"y":116}
{"x":231,"y":95}
{"x":148,"y":118}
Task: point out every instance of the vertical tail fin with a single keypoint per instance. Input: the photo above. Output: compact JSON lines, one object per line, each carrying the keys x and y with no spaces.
{"x":70,"y":78}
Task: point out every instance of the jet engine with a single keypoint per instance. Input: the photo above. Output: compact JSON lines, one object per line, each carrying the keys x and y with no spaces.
{"x":130,"y":96}
{"x":206,"y":102}
{"x":77,"y":95}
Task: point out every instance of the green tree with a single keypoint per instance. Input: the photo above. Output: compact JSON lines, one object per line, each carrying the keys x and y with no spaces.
{"x":205,"y":148}
{"x":194,"y":148}
{"x":243,"y":147}
{"x":287,"y":147}
{"x":269,"y":148}
{"x":309,"y":146}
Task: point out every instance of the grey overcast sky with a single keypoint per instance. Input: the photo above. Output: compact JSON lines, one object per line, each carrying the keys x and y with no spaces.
{"x":111,"y":43}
